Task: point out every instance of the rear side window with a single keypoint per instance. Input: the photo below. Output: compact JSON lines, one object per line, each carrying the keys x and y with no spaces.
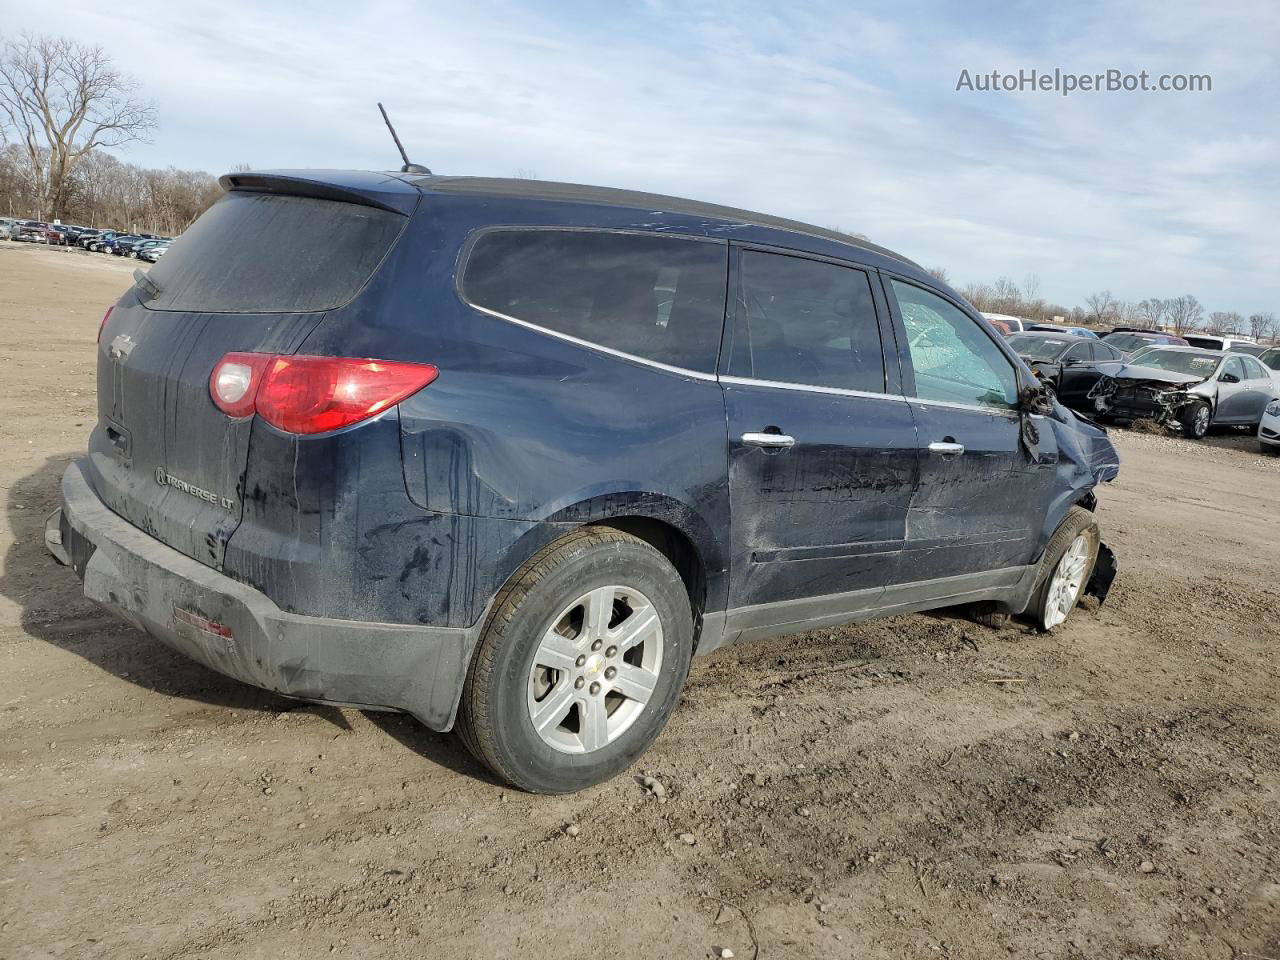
{"x":953,"y":358}
{"x":1253,"y":369}
{"x":805,"y":322}
{"x":650,"y":296}
{"x":263,"y":253}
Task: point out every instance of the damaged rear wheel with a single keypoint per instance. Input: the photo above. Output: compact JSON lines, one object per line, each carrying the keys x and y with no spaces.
{"x":1195,"y":420}
{"x":1065,"y":568}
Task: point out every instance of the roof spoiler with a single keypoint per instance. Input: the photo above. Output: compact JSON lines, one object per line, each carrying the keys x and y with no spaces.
{"x":378,"y":190}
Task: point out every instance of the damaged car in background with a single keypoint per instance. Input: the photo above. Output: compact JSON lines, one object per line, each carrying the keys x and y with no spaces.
{"x":1187,"y":388}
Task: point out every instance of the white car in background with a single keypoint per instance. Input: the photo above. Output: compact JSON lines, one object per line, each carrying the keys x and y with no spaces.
{"x":153,"y":253}
{"x":1015,"y":324}
{"x":1269,"y":428}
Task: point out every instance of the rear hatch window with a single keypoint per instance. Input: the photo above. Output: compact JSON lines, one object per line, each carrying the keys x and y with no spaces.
{"x":256,"y":272}
{"x":266,"y":253}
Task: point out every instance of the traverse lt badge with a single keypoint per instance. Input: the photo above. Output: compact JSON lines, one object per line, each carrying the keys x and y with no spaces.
{"x":166,"y":479}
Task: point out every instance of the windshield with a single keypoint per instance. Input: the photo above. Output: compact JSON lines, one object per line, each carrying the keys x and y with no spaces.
{"x":1271,"y":359}
{"x":1177,"y":361}
{"x":1038,"y":348}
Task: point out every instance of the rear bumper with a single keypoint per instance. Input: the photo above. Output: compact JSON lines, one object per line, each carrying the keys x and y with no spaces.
{"x":235,"y":629}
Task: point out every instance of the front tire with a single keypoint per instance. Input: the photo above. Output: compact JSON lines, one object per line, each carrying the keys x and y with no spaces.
{"x":580,"y":663}
{"x":1195,"y":420}
{"x":1065,"y":569}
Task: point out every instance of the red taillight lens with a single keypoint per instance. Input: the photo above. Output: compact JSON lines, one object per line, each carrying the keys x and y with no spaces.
{"x":103,"y":325}
{"x":312,"y":394}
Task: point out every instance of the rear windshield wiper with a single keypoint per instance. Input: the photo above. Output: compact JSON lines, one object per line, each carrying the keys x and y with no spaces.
{"x":146,"y":283}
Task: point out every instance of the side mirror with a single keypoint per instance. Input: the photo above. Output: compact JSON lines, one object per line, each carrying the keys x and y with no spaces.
{"x":1228,"y":378}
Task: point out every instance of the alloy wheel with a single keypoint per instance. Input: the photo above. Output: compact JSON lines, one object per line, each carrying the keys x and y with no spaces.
{"x":595,"y":669}
{"x":1067,"y":582}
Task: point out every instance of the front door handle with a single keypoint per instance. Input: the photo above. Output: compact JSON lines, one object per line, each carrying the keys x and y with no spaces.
{"x":768,"y":439}
{"x":946,"y":448}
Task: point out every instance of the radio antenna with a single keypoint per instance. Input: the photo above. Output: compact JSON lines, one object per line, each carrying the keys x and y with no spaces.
{"x":408,"y":166}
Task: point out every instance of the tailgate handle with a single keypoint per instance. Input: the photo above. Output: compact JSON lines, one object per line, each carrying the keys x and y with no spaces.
{"x":119,"y":439}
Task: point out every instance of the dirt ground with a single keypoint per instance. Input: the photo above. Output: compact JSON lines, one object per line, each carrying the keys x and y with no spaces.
{"x":865,"y":792}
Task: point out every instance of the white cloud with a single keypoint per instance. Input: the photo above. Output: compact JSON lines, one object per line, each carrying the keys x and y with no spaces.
{"x":816,"y":111}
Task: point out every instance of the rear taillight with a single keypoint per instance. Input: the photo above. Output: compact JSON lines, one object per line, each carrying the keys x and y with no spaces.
{"x":103,"y":325}
{"x":312,"y":394}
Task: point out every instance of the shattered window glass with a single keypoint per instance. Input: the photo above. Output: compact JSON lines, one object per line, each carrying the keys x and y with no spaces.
{"x":953,"y":359}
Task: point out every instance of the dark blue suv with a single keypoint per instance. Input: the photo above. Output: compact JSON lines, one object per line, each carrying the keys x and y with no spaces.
{"x":505,"y":454}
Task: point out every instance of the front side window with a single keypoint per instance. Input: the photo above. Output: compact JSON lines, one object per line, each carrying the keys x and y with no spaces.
{"x":953,"y":359}
{"x":647,"y":295}
{"x":1233,"y":367}
{"x":805,"y":322}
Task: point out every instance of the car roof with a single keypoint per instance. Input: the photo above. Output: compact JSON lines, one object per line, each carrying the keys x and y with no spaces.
{"x":659,"y":203}
{"x":1053,"y":334}
{"x":389,"y":190}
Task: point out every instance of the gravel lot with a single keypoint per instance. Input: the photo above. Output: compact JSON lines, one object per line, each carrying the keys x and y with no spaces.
{"x":864,"y":792}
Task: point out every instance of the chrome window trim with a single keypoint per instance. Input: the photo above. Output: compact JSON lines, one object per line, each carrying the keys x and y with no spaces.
{"x":811,"y":388}
{"x":599,"y":348}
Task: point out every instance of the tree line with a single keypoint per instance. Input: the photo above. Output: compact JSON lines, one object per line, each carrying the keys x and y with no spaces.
{"x":1178,"y":315}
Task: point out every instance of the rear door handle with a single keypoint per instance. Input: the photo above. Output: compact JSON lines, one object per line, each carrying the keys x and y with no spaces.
{"x":946,"y":449}
{"x":768,"y":439}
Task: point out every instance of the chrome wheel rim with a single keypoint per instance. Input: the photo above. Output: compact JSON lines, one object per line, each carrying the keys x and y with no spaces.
{"x":595,"y":669}
{"x":1202,"y":420}
{"x":1067,"y":580}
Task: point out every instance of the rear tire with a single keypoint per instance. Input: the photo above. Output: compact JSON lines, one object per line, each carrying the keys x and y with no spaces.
{"x":580,"y":663}
{"x":1195,"y":419}
{"x":1065,"y":569}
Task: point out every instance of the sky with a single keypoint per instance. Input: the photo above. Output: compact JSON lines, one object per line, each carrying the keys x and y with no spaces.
{"x":842,"y":114}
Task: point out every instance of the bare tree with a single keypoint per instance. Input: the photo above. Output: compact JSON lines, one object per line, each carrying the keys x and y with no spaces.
{"x":1125,"y":314}
{"x":1221,"y":321}
{"x":1101,"y":305}
{"x":1006,"y":295}
{"x":1262,"y":325}
{"x":64,"y":99}
{"x":939,"y":274}
{"x":1185,"y":314}
{"x":1151,"y":312}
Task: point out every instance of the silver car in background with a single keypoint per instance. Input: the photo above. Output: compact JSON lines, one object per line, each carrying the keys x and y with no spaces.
{"x":1187,"y":388}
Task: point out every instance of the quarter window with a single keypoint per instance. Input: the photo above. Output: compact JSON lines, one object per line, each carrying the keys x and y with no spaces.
{"x":953,"y":359}
{"x":806,"y":322}
{"x":655,"y":297}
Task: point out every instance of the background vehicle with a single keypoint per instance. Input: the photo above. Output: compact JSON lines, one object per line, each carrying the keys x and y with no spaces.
{"x":1059,"y":328}
{"x":1131,"y":341}
{"x":1015,"y":324}
{"x":1269,"y":428}
{"x":545,"y":499}
{"x":135,"y":249}
{"x":95,"y":242}
{"x":1069,"y":364}
{"x":1271,"y":360}
{"x":153,"y":253}
{"x":8,"y":227}
{"x":32,"y":231}
{"x":1188,"y":387}
{"x":1001,"y":327}
{"x":1238,"y":344}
